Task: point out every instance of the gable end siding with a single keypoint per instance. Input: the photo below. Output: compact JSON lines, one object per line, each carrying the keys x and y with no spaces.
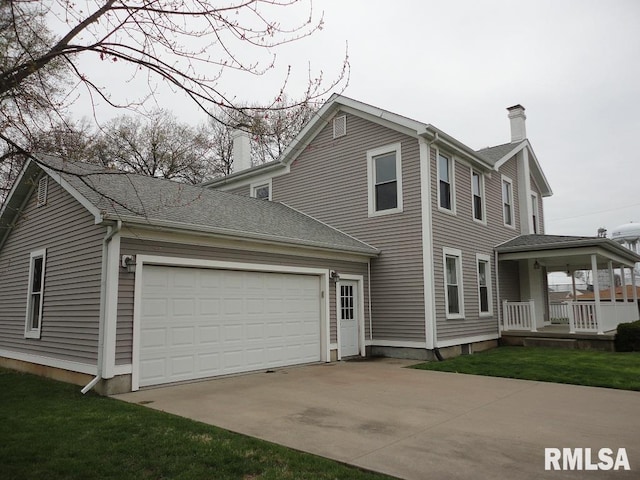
{"x":328,"y":181}
{"x":71,"y":302}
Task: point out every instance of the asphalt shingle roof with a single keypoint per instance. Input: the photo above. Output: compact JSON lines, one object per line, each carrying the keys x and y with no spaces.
{"x":493,"y":154}
{"x":148,"y":200}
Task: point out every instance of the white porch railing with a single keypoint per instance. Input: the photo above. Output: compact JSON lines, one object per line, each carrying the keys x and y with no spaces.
{"x":582,"y":317}
{"x":559,"y":312}
{"x":519,"y":315}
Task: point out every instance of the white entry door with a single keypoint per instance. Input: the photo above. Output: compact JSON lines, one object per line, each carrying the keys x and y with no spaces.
{"x":348,"y":315}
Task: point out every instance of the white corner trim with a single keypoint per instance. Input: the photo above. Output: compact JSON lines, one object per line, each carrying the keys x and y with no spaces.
{"x":111,"y":306}
{"x":50,"y":362}
{"x":427,"y":243}
{"x":371,"y":154}
{"x":463,"y":340}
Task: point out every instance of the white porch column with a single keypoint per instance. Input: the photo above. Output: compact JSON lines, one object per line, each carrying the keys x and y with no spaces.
{"x":635,"y":288}
{"x":596,"y":291}
{"x":612,"y":280}
{"x":623,"y":282}
{"x":573,"y":283}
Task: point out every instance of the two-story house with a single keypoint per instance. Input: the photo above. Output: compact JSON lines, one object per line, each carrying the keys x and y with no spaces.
{"x":434,"y":207}
{"x":374,"y":234}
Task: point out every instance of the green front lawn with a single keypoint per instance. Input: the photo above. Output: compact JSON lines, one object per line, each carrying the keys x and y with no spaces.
{"x":578,"y":367}
{"x":49,"y":430}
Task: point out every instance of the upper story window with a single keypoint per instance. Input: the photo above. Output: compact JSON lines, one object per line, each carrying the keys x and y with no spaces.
{"x":446,"y":199}
{"x":477,"y":190}
{"x":484,"y":284}
{"x":261,"y":190}
{"x":507,"y":202}
{"x":534,"y":213}
{"x":35,"y":294}
{"x":453,"y":283}
{"x":384,"y":167}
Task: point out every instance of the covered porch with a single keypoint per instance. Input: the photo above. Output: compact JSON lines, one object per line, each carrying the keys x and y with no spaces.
{"x":523,"y":264}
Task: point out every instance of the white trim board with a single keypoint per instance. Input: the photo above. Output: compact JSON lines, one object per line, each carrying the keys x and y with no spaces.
{"x":51,"y":362}
{"x":464,"y":340}
{"x":396,"y":343}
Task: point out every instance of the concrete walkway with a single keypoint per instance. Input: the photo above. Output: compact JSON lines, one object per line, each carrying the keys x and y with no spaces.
{"x":415,"y":424}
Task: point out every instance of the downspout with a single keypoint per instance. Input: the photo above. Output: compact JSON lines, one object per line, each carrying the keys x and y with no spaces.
{"x":111,"y":232}
{"x":434,"y":328}
{"x":369,"y":299}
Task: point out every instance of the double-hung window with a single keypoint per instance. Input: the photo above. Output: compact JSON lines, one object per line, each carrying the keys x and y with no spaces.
{"x":453,"y":291}
{"x":484,"y":284}
{"x":446,"y":199}
{"x":477,"y":190}
{"x":385,"y":180}
{"x":534,"y":213}
{"x":507,"y":202}
{"x":35,"y":294}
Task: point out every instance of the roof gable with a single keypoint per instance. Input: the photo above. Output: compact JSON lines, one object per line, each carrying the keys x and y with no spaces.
{"x":158,"y":203}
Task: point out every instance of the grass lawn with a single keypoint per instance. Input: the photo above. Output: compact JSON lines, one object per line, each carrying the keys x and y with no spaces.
{"x":578,"y":367}
{"x":49,"y":430}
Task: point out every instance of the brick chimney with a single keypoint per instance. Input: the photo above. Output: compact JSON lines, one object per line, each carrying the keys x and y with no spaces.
{"x":517,"y":119}
{"x":241,"y":151}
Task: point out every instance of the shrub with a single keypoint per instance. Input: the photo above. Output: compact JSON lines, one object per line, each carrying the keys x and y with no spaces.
{"x":628,"y":337}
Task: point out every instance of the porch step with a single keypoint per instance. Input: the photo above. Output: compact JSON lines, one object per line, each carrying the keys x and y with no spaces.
{"x":568,"y":343}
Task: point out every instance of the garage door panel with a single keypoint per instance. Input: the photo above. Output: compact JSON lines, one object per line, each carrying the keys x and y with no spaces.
{"x":198,"y":323}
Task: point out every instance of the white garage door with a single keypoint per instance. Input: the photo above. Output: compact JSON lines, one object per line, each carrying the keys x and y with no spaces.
{"x":198,"y":323}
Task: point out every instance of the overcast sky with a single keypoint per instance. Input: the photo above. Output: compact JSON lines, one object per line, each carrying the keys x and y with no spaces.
{"x":457,"y":64}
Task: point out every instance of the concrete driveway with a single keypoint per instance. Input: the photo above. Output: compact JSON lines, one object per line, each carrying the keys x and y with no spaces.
{"x":415,"y":424}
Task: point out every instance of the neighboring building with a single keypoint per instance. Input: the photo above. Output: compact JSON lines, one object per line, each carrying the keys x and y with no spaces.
{"x":372,"y":234}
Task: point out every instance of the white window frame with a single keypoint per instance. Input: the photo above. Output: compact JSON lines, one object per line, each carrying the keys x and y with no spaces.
{"x":453,"y":252}
{"x":29,"y":330}
{"x":511,"y":203}
{"x":535,"y":213}
{"x":371,"y":174}
{"x":486,"y":259}
{"x":254,"y":186}
{"x":452,"y":182}
{"x":483,"y":209}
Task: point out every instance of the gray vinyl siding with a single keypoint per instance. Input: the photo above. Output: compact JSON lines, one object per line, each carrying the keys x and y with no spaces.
{"x":242,"y":190}
{"x":128,"y":246}
{"x":461,"y":232}
{"x":328,"y":181}
{"x":71,"y":308}
{"x":509,"y":281}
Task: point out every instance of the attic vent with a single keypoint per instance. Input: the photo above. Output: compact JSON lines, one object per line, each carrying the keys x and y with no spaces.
{"x":42,"y":191}
{"x":340,"y":126}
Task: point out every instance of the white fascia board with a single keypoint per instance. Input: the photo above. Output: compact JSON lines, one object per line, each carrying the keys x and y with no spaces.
{"x":57,"y":177}
{"x":466,"y":154}
{"x":537,"y":169}
{"x":15,"y":186}
{"x":518,"y":147}
{"x":221,"y":241}
{"x":259,"y":176}
{"x":239,"y":235}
